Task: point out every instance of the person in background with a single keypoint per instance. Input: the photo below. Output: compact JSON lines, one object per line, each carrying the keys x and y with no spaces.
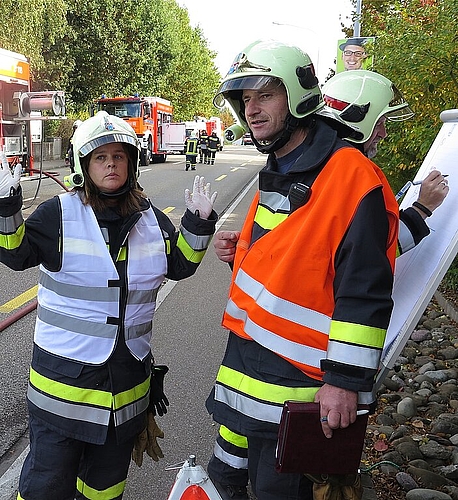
{"x":343,"y":94}
{"x":203,"y":147}
{"x":353,"y":53}
{"x":191,"y":152}
{"x":293,"y":338}
{"x":103,"y":251}
{"x":213,"y":146}
{"x":69,"y":161}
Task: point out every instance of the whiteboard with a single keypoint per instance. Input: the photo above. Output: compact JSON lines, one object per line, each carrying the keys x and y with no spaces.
{"x":419,"y":271}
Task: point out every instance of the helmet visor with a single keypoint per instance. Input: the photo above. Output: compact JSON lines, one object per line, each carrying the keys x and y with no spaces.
{"x":106,"y":139}
{"x":251,"y":82}
{"x":400,"y":108}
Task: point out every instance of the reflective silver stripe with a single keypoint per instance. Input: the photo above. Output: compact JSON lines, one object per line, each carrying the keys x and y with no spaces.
{"x":194,"y":241}
{"x":281,"y":307}
{"x":142,"y":296}
{"x":405,"y":238}
{"x":274,"y":201}
{"x":131,"y":411}
{"x":76,"y":325}
{"x":9,"y":225}
{"x":268,"y":339}
{"x":72,"y":411}
{"x":356,"y":355}
{"x":102,"y":294}
{"x":366,"y":398}
{"x":229,"y":459}
{"x":247,"y":406}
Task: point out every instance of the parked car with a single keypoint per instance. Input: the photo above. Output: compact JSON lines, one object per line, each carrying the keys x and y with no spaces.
{"x":247,"y":140}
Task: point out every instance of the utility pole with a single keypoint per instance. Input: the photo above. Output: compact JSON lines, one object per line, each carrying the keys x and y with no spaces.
{"x":357,"y":25}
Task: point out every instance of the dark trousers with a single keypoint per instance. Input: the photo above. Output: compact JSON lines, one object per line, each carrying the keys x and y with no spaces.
{"x":60,"y":468}
{"x":191,"y":161}
{"x":266,"y":482}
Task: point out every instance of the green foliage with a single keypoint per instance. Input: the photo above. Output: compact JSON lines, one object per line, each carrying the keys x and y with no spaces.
{"x":417,"y":49}
{"x":90,"y":47}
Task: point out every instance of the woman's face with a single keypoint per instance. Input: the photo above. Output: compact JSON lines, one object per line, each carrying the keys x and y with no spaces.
{"x":109,"y":167}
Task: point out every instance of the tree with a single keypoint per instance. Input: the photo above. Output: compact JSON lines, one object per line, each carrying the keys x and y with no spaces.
{"x":417,"y":49}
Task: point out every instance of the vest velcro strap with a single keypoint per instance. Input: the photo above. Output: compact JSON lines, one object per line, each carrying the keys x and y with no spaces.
{"x":113,"y":321}
{"x":114,"y":283}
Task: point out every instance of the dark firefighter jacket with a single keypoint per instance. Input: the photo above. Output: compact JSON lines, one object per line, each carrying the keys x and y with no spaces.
{"x":67,"y":395}
{"x":254,"y":380}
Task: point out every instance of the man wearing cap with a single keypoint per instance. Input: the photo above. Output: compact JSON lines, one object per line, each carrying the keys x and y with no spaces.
{"x":353,"y":53}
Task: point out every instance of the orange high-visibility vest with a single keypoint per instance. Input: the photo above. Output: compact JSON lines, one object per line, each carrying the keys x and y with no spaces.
{"x":282,"y":293}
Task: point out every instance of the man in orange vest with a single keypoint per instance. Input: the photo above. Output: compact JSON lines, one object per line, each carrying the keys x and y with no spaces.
{"x":310,"y":298}
{"x":344,"y":92}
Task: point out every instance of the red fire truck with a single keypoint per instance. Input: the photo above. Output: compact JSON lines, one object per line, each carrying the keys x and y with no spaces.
{"x":151,"y":118}
{"x":16,"y":105}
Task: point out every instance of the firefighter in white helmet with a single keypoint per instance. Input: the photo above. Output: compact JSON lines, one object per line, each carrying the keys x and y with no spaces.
{"x":103,"y":251}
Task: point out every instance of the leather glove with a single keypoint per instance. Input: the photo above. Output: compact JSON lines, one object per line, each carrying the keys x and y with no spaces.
{"x":158,"y":401}
{"x":336,"y":486}
{"x":9,"y":181}
{"x":200,"y":202}
{"x":147,"y":440}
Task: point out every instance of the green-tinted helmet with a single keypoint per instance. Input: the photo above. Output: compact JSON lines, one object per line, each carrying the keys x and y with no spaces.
{"x":359,"y":98}
{"x":96,"y":131}
{"x":263,"y":62}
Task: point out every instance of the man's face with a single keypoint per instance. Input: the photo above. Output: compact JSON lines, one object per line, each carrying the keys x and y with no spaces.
{"x":379,"y":133}
{"x":265,"y":111}
{"x":353,"y":57}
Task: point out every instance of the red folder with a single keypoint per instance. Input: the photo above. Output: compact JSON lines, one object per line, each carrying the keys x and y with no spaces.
{"x":303,"y":448}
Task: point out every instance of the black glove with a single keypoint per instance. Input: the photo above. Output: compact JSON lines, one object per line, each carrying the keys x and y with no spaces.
{"x":158,"y":401}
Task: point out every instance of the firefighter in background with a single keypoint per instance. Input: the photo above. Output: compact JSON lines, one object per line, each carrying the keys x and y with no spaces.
{"x":190,"y":147}
{"x":69,"y":156}
{"x":203,"y":146}
{"x":213,"y":146}
{"x":104,"y":251}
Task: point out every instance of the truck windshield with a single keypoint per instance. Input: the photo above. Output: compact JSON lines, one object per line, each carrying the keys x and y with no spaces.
{"x":121,"y":109}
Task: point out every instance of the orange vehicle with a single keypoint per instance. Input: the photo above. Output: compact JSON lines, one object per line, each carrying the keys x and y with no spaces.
{"x":151,"y":118}
{"x":16,"y":105}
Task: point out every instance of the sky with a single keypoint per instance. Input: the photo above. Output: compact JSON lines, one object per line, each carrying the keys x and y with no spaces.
{"x":230,"y":25}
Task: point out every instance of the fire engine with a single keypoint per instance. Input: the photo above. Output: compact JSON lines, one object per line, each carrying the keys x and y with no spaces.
{"x":17,"y":103}
{"x":151,"y":118}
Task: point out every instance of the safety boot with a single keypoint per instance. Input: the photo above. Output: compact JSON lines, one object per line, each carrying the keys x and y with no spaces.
{"x":231,"y":491}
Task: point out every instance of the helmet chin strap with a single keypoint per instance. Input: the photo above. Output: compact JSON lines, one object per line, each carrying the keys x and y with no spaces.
{"x":116,"y":194}
{"x":291,"y":123}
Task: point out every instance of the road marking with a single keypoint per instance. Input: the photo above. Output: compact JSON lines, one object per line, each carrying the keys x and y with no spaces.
{"x":19,"y":301}
{"x":221,"y":177}
{"x":167,"y":210}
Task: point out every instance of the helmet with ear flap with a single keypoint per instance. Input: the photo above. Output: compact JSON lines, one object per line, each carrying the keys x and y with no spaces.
{"x":359,"y":98}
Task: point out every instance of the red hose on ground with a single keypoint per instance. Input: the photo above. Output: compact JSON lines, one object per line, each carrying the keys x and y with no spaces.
{"x":18,"y":315}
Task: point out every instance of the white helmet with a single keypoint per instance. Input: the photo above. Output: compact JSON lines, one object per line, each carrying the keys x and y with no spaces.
{"x":76,"y":124}
{"x":359,"y":98}
{"x":96,"y":131}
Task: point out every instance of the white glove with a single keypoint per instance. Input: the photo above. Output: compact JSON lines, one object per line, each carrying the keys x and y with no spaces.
{"x":200,"y":202}
{"x":9,"y":181}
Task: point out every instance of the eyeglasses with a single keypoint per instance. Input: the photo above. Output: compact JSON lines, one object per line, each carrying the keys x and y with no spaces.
{"x":356,"y":53}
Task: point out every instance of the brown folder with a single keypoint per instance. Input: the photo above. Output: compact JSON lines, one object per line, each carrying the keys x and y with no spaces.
{"x":303,"y":448}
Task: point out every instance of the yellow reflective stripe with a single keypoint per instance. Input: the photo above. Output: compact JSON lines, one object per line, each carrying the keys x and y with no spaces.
{"x":357,"y":334}
{"x":268,"y":220}
{"x":191,"y":255}
{"x":233,"y":437}
{"x":114,"y":491}
{"x":70,"y":393}
{"x":263,"y":390}
{"x":12,"y":241}
{"x":134,"y":394}
{"x":122,"y":254}
{"x":167,"y":246}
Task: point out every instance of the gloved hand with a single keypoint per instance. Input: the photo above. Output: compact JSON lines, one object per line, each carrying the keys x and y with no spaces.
{"x":200,"y":202}
{"x":336,"y":486}
{"x":147,"y":440}
{"x":9,"y":181}
{"x":158,"y":401}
